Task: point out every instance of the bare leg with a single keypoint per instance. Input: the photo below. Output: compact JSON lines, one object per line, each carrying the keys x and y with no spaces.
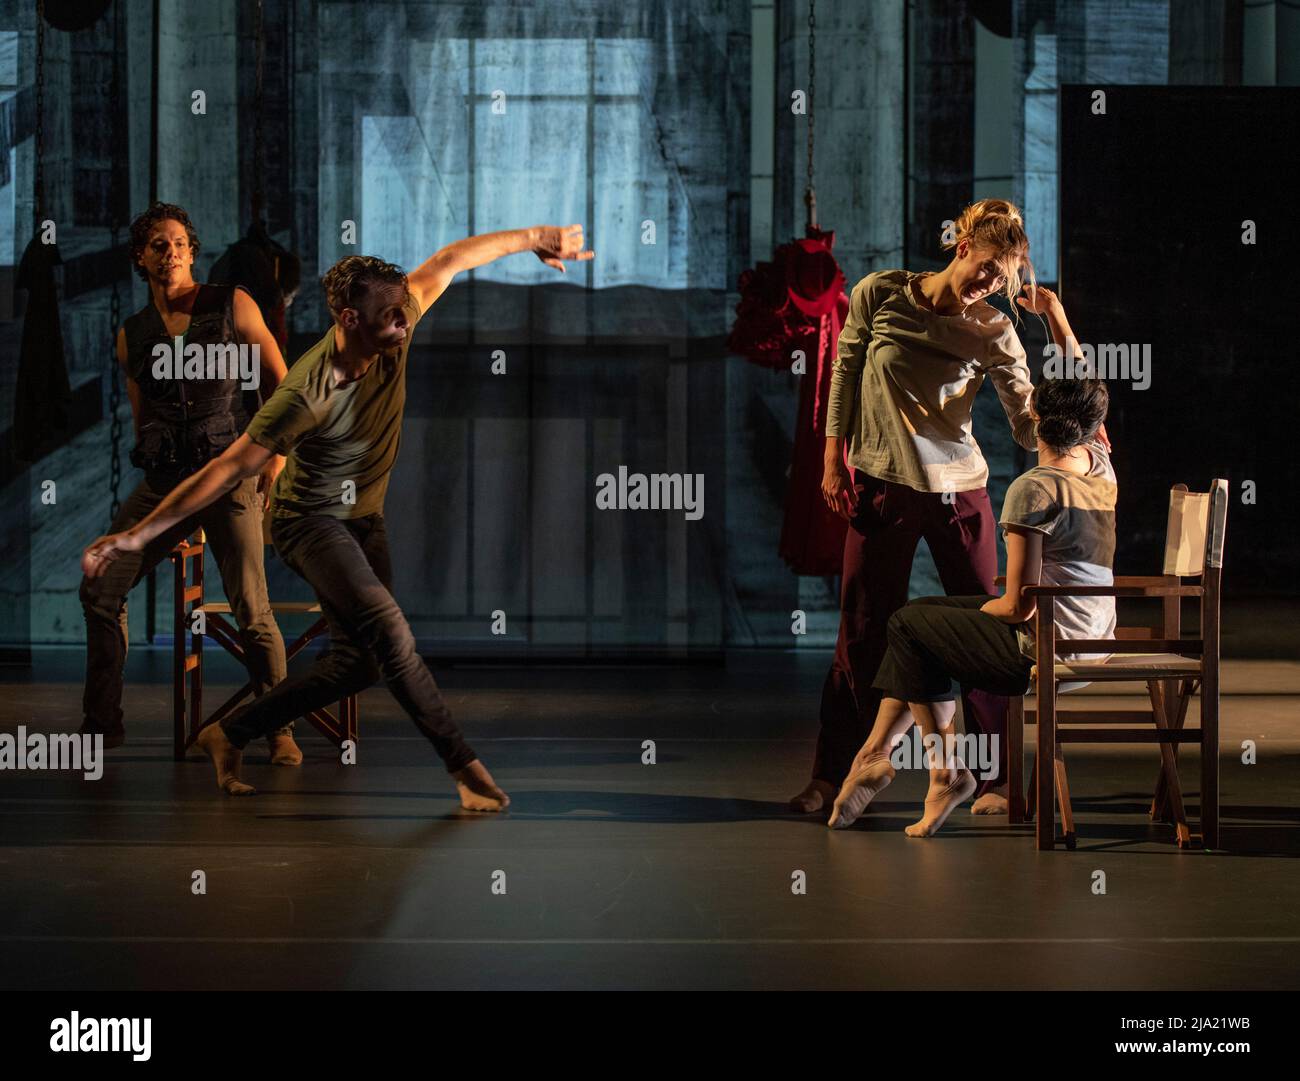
{"x":891,"y":723}
{"x":871,"y":772}
{"x":885,"y":736}
{"x":951,"y":783}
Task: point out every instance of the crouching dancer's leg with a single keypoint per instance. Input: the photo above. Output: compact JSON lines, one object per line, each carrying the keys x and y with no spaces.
{"x":346,"y":562}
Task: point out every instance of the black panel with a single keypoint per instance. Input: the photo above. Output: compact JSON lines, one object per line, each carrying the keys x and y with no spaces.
{"x":1153,"y":197}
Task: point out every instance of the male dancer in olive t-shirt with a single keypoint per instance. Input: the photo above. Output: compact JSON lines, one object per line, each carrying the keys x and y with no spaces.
{"x":337,"y":416}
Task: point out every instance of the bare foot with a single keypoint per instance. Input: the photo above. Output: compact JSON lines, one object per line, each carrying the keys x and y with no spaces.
{"x":284,"y":752}
{"x":993,"y":802}
{"x":813,"y":798}
{"x":870,"y":777}
{"x":226,"y":757}
{"x":941,"y":801}
{"x":478,"y":792}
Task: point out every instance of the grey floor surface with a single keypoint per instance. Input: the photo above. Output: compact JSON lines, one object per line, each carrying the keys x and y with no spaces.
{"x":607,"y":873}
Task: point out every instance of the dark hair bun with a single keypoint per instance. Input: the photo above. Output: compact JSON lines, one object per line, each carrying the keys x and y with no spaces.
{"x":1060,"y":432}
{"x":1070,"y":410}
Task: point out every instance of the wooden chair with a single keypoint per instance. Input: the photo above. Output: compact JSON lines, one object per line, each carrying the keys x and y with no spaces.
{"x":1172,"y":666}
{"x":187,"y":655}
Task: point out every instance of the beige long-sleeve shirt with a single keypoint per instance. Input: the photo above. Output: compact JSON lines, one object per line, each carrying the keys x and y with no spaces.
{"x":905,"y":379}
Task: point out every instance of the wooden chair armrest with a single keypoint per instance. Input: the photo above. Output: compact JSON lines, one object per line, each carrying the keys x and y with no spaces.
{"x":1111,"y":591}
{"x":1123,"y":580}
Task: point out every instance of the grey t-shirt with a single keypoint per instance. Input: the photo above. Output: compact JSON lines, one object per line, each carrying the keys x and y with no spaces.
{"x":1076,"y":516}
{"x":905,"y":380}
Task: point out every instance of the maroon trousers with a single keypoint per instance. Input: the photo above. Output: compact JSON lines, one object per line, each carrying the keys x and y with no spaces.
{"x":878,"y":551}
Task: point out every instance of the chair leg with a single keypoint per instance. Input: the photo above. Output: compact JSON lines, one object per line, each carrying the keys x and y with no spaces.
{"x":1046,"y":827}
{"x":1031,"y":801}
{"x":1063,"y":797}
{"x":1210,"y":757}
{"x":1016,"y":759}
{"x":348,"y":717}
{"x":1158,"y":806}
{"x":1170,"y":792}
{"x":196,"y":689}
{"x":178,"y":658}
{"x":1178,"y":694}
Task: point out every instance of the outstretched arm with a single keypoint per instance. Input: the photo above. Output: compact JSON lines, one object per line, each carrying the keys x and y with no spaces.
{"x":1042,"y":301}
{"x":552,"y":244}
{"x":241,"y":459}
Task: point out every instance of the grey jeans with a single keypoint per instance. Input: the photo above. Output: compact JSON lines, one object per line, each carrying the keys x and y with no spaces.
{"x":233,"y":525}
{"x":346,"y":561}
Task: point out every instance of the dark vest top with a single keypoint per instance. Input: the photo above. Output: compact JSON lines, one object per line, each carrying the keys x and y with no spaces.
{"x":184,"y":422}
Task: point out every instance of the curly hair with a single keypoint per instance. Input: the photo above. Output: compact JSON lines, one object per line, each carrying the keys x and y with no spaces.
{"x":349,"y":280}
{"x":144,"y":223}
{"x":998,"y":226}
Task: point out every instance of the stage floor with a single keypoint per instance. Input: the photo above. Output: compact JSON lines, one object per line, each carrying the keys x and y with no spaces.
{"x":618,"y":874}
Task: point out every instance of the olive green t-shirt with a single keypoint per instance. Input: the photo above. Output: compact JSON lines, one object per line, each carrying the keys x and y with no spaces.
{"x":341,"y":441}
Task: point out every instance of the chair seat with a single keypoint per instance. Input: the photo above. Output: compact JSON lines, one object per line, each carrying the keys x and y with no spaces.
{"x":1135,"y":666}
{"x":288,"y":607}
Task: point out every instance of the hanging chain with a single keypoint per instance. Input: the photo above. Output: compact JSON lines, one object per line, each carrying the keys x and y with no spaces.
{"x":115,"y":303}
{"x":810,"y":194}
{"x":258,"y":155}
{"x":39,"y":194}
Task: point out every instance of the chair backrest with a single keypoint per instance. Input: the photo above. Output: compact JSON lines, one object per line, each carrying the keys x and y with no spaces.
{"x":1197,"y":523}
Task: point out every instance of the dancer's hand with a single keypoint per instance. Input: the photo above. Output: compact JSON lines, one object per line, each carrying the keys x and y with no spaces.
{"x":1039,"y":300}
{"x":558,"y":243}
{"x":266,"y":478}
{"x":838,"y":490}
{"x":1002,"y":608}
{"x":1103,"y":438}
{"x":99,"y":554}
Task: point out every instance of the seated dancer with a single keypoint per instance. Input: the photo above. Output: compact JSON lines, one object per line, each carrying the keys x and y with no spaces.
{"x":338,"y":417}
{"x":181,"y":422}
{"x":1059,"y":520}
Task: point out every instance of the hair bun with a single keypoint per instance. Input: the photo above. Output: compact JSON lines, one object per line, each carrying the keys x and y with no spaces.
{"x":1060,"y":431}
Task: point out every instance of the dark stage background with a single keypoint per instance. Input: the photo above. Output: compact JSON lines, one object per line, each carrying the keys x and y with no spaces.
{"x":1155,"y":195}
